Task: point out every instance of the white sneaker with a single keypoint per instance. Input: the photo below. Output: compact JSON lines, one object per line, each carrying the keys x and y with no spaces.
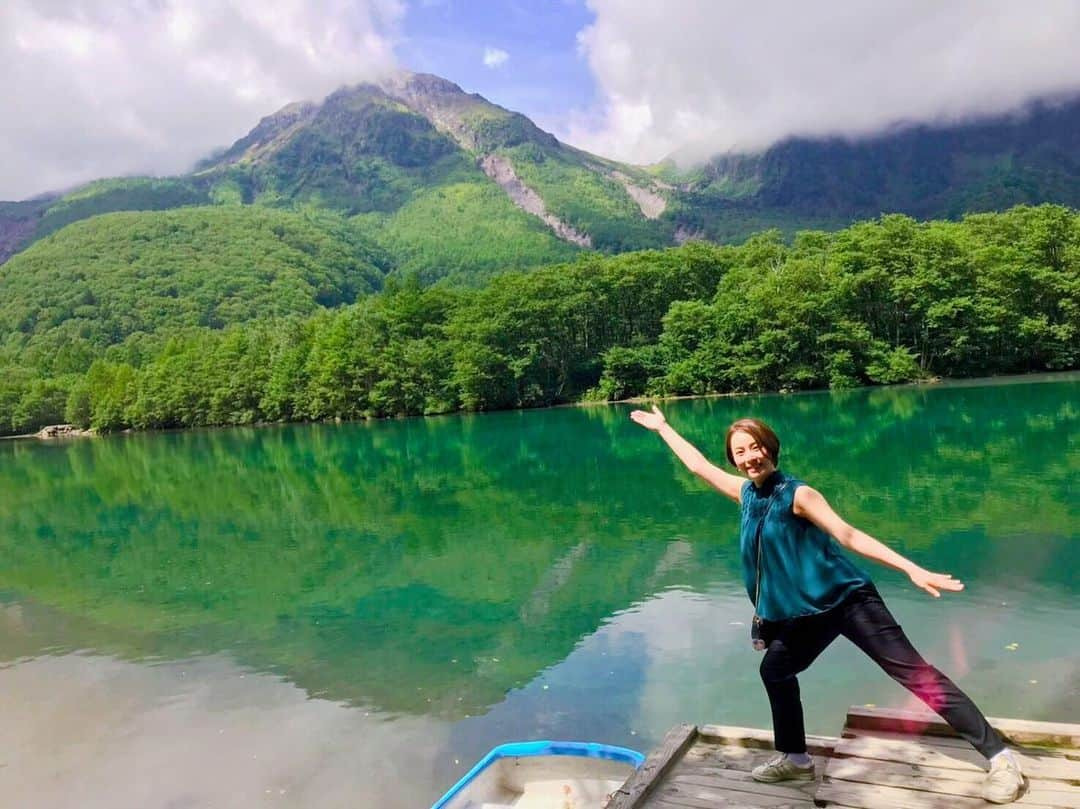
{"x":782,"y":768}
{"x":1005,"y":781}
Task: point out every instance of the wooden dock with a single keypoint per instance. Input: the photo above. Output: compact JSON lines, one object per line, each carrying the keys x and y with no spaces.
{"x":883,"y":759}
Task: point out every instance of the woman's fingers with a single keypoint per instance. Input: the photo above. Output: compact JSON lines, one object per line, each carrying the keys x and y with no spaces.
{"x":947,"y":582}
{"x":651,"y":421}
{"x":934,"y":583}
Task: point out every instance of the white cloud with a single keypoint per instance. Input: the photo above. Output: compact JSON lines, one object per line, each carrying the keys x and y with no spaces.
{"x":740,"y":75}
{"x":493,"y":57}
{"x":96,"y":88}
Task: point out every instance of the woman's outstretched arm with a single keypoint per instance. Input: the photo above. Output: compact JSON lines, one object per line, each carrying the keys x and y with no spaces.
{"x":724,"y":482}
{"x":810,"y":503}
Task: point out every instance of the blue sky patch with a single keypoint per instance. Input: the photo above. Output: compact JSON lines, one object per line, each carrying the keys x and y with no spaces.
{"x":542,"y":74}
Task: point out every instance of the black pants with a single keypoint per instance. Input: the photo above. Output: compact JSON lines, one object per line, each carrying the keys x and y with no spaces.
{"x":863,"y":619}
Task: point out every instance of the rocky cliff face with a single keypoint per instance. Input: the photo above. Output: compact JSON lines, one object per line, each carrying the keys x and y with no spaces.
{"x":18,"y":222}
{"x":500,"y":170}
{"x":470,"y":119}
{"x":270,"y":132}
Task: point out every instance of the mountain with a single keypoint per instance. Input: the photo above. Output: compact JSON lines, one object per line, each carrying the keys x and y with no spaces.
{"x":19,"y":222}
{"x":413,"y":144}
{"x":137,"y":274}
{"x":452,"y":186}
{"x":941,"y":172}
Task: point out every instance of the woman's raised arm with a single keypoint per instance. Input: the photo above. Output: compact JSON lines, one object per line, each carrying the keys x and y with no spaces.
{"x":810,"y":503}
{"x":724,"y":482}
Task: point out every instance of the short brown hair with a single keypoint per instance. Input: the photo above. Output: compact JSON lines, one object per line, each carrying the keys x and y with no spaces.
{"x":761,"y":432}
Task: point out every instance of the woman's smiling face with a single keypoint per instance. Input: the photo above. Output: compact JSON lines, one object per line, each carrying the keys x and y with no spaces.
{"x":750,"y":457}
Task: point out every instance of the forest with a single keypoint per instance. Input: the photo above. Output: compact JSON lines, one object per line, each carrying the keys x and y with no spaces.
{"x":879,"y":302}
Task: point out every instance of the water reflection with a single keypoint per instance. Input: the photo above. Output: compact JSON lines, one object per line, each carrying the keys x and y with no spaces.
{"x":96,"y":731}
{"x":417,"y":591}
{"x":206,"y":731}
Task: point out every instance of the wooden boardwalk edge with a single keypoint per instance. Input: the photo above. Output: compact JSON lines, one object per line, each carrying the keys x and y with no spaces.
{"x":1015,"y":731}
{"x":680,"y":739}
{"x":763,"y":739}
{"x":892,"y":759}
{"x":637,"y":787}
{"x":883,"y":759}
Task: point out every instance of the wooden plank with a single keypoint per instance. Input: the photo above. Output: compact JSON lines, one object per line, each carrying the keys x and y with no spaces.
{"x":874,"y":796}
{"x":656,"y":803}
{"x":1017,"y":731}
{"x":1040,"y":792}
{"x":899,"y":773}
{"x":878,"y":796}
{"x":1050,"y":793}
{"x":732,"y":757}
{"x":741,"y":782}
{"x":734,"y":754}
{"x":876,"y":764}
{"x":954,"y":758}
{"x":946,"y":744}
{"x":728,"y":762}
{"x":907,"y":749}
{"x":717,"y":801}
{"x":697,"y":795}
{"x":659,"y":762}
{"x":708,"y":770}
{"x":755,"y":737}
{"x":943,"y":743}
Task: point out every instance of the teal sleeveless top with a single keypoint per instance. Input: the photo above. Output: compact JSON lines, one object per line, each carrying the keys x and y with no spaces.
{"x":803,"y":571}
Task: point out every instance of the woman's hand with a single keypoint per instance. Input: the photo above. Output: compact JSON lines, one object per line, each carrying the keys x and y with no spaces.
{"x":934,"y":582}
{"x":650,"y":421}
{"x":724,"y":482}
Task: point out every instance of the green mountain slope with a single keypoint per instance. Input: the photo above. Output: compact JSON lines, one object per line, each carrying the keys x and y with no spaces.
{"x":383,"y":151}
{"x":416,"y":188}
{"x":386,"y":149}
{"x":923,"y":171}
{"x":99,"y":282}
{"x":464,"y":233}
{"x":358,"y":151}
{"x":123,"y":194}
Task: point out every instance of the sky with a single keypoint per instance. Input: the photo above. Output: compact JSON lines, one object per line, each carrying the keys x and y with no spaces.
{"x":99,"y":88}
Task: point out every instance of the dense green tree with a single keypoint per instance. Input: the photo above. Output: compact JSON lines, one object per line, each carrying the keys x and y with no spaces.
{"x":888,"y":301}
{"x":100,"y":281}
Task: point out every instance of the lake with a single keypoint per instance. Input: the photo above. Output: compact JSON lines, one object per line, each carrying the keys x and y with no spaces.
{"x":350,"y":615}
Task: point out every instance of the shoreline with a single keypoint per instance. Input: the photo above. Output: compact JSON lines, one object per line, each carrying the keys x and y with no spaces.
{"x":1036,"y":377}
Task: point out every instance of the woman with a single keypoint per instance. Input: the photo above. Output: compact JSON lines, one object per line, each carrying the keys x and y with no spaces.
{"x":808,"y":593}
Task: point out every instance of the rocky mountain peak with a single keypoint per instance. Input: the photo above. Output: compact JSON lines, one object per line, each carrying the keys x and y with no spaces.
{"x":470,"y":119}
{"x":269,"y":132}
{"x":405,"y":84}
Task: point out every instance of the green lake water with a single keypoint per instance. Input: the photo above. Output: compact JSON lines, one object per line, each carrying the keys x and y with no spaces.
{"x":350,"y":615}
